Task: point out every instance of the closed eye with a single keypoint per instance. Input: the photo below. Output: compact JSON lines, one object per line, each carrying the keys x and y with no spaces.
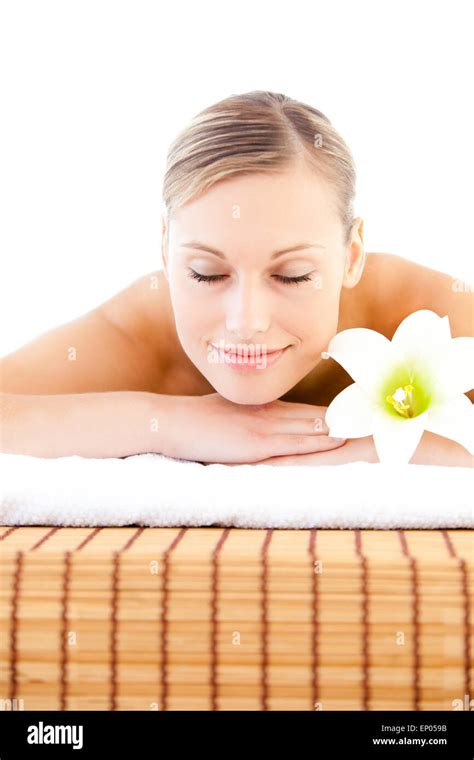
{"x":217,"y":277}
{"x":206,"y":277}
{"x":301,"y":278}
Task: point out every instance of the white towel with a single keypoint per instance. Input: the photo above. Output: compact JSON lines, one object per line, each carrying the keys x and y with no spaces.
{"x":154,"y":490}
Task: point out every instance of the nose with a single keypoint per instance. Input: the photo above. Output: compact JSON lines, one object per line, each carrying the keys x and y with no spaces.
{"x":247,"y":312}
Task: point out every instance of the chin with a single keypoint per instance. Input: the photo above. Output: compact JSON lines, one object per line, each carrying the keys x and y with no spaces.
{"x":251,"y":397}
{"x":250,"y":401}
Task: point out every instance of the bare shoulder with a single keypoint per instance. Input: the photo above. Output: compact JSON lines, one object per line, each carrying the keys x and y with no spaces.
{"x":397,"y":286}
{"x":122,"y":344}
{"x":142,"y":311}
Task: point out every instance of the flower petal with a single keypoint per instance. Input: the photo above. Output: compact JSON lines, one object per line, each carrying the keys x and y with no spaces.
{"x":460,"y":365}
{"x":396,"y":438}
{"x":363,"y":353}
{"x":422,"y":330}
{"x":451,"y":369}
{"x":441,"y":363}
{"x":350,"y":413}
{"x":454,"y":420}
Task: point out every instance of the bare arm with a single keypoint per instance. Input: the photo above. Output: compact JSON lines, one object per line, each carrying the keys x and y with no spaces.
{"x":114,"y":424}
{"x":122,"y":423}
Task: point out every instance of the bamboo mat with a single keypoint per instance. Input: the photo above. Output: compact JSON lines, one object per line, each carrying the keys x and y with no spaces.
{"x":234,"y":619}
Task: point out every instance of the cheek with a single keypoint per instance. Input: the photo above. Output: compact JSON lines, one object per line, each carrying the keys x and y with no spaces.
{"x":312,"y":318}
{"x":188,"y":307}
{"x":314,"y":336}
{"x":195,"y":323}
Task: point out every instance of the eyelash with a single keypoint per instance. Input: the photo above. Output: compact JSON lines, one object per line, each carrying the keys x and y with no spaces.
{"x":217,"y":277}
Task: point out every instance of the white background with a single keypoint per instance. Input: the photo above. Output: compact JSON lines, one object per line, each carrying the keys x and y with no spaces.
{"x":92,"y":93}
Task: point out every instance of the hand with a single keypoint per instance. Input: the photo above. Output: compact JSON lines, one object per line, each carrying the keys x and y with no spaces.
{"x":211,"y":428}
{"x":432,"y":449}
{"x":354,"y":450}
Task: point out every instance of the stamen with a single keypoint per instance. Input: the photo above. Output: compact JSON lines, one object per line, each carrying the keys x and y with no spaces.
{"x":402,"y":401}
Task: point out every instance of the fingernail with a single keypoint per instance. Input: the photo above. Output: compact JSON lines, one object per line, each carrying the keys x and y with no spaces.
{"x":337,"y":440}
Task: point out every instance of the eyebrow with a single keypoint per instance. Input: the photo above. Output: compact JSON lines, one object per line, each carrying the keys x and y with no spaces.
{"x":201,"y":247}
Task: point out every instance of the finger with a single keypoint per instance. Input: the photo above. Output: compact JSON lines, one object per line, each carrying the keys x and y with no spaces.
{"x":281,"y":444}
{"x":290,"y":409}
{"x":278,"y":461}
{"x":296,"y":425}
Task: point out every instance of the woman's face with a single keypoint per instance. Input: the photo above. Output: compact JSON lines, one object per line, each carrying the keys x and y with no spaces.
{"x":263,"y":229}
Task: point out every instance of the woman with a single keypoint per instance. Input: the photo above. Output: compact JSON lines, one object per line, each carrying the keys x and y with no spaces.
{"x":217,"y":358}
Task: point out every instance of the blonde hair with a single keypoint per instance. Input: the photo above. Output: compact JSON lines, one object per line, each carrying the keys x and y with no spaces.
{"x":258,"y":131}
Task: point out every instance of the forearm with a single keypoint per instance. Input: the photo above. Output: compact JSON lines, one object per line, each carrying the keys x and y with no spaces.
{"x":435,"y":449}
{"x":111,"y":424}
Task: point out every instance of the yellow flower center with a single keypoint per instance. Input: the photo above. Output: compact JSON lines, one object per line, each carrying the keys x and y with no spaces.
{"x":402,"y":401}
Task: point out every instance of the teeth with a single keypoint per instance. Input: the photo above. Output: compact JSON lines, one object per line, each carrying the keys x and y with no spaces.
{"x":243,"y":359}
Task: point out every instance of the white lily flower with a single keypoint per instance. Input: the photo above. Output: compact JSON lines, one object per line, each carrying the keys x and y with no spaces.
{"x":413,"y":383}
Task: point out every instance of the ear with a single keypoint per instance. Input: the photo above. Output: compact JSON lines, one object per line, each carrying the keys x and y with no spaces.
{"x":355,"y":255}
{"x":164,"y":245}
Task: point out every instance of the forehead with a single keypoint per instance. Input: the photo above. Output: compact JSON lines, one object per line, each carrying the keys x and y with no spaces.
{"x":271,"y":208}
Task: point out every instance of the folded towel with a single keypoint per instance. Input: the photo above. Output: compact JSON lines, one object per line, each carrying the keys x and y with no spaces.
{"x":157,"y":491}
